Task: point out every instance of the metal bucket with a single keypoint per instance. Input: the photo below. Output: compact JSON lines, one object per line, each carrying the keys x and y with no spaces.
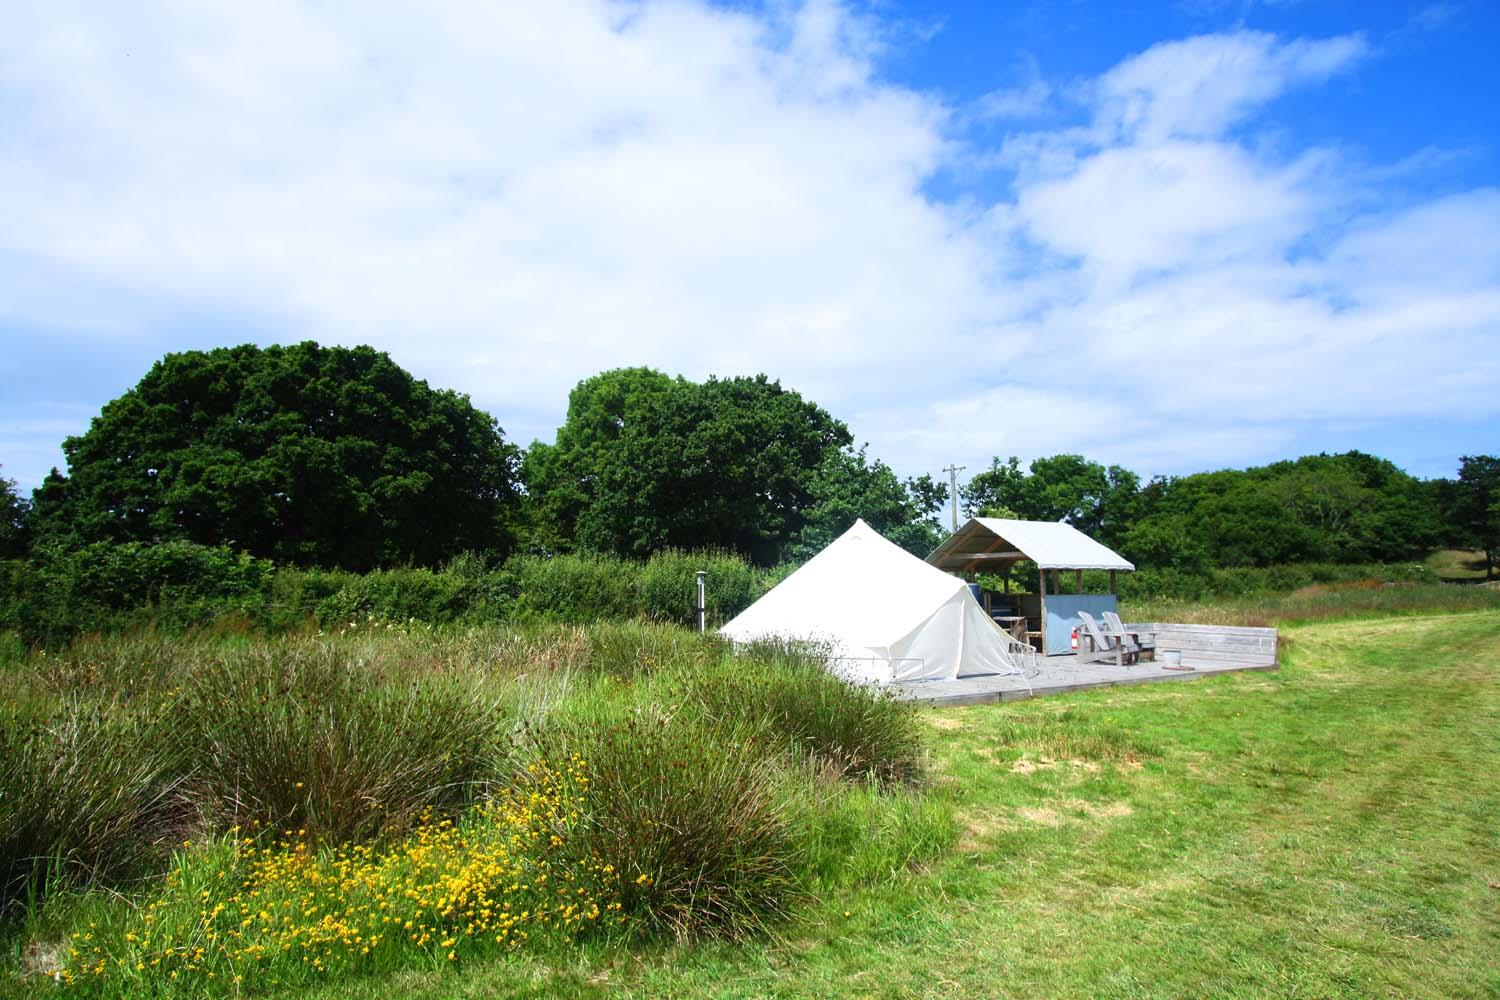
{"x":1170,"y":657}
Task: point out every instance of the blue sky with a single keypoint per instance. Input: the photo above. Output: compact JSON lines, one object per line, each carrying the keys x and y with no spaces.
{"x":1170,"y":236}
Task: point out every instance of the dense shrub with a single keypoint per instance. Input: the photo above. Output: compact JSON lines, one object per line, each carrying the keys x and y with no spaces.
{"x":668,"y":586}
{"x":434,"y":597}
{"x":853,"y":729}
{"x":179,"y":586}
{"x":577,"y":588}
{"x":105,"y":586}
{"x":696,"y":820}
{"x":86,"y":793}
{"x":309,"y":735}
{"x":1247,"y":581}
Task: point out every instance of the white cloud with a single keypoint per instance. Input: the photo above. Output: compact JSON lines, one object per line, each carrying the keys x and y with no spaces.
{"x":1204,"y":85}
{"x":511,"y":199}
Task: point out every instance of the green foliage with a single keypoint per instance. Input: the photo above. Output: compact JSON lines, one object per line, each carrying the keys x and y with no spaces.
{"x":465,"y":591}
{"x":696,"y":818}
{"x":852,"y":729}
{"x":582,"y":587}
{"x":1350,"y":508}
{"x":1340,"y":600}
{"x":14,"y":509}
{"x":1166,"y":582}
{"x":306,"y":735}
{"x":1476,"y":506}
{"x":178,"y":586}
{"x":646,"y":462}
{"x":697,"y":794}
{"x":668,"y":586}
{"x":104,"y":586}
{"x":586,"y":587}
{"x":1098,"y":501}
{"x":847,"y":486}
{"x":88,"y":793}
{"x":308,"y":455}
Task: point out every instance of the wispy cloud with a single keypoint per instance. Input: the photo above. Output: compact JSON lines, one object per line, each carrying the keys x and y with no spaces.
{"x":510,"y":202}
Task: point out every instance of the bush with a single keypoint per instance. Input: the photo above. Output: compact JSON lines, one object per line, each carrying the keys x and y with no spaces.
{"x":437,"y":597}
{"x":854,"y":729}
{"x":693,"y":818}
{"x":307,"y":735}
{"x":106,"y":586}
{"x":579,"y":588}
{"x":1166,"y":583}
{"x":669,"y":592}
{"x":86,"y":794}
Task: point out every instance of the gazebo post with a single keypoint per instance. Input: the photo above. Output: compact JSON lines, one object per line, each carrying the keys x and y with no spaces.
{"x":1043,"y":622}
{"x":1078,"y":581}
{"x":1112,"y":588}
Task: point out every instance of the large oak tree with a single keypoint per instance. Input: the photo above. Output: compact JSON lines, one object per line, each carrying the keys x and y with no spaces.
{"x":314,"y":455}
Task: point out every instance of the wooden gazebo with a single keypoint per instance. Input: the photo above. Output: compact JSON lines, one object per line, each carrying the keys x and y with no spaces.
{"x":993,"y":545}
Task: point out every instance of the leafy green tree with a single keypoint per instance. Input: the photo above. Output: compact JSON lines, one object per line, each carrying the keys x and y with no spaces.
{"x":848,"y":486}
{"x":14,"y":509}
{"x":311,"y":455}
{"x":645,"y":462}
{"x":1097,"y":500}
{"x":1328,"y":508}
{"x":1477,"y":506}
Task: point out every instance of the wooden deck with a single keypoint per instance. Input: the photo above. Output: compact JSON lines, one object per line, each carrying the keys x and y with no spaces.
{"x":1207,"y":649}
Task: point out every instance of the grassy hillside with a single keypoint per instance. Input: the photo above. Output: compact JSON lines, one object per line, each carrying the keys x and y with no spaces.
{"x":1327,"y":830}
{"x":1457,"y":564}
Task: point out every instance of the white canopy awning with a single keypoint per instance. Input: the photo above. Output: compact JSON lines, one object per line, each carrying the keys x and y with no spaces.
{"x":992,"y":543}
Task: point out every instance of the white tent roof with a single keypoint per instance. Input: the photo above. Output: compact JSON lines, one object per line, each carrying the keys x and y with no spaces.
{"x":884,"y":613}
{"x":1049,"y":544}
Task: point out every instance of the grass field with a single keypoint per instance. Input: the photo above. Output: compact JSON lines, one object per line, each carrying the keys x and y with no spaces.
{"x":1327,"y":830}
{"x":1457,"y":564}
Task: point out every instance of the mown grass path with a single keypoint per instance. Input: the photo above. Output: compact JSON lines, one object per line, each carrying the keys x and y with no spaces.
{"x":1332,"y":829}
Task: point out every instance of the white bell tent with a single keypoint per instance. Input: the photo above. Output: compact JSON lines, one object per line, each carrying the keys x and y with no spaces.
{"x":883,"y":614}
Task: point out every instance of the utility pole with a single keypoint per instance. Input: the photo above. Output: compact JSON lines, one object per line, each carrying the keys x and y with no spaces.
{"x":953,"y":471}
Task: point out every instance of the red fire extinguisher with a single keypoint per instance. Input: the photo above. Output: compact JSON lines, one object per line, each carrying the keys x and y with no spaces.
{"x":1075,"y":640}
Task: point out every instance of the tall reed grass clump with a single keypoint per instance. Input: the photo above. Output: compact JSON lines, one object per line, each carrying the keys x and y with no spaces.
{"x":697,"y":820}
{"x":854,"y":729}
{"x":314,"y":735}
{"x":88,"y":794}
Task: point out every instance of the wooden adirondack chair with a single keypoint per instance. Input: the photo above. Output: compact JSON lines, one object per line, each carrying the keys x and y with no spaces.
{"x":1106,"y":646}
{"x":1145,"y":642}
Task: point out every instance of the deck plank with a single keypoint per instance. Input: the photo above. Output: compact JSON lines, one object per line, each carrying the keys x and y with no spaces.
{"x":1063,"y":674}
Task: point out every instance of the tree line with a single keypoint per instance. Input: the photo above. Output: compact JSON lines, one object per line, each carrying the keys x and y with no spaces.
{"x":338,"y":458}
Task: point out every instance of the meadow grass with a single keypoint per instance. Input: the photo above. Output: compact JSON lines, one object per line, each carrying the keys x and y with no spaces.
{"x":1325,"y":830}
{"x":390,"y":797}
{"x":1319,"y":602}
{"x":1457,"y":564}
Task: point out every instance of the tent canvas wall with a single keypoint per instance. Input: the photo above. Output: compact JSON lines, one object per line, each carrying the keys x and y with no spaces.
{"x":884,"y":614}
